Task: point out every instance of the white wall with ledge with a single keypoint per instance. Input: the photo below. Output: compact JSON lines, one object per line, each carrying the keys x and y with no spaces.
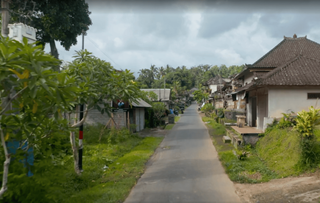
{"x":18,"y":31}
{"x":287,"y":100}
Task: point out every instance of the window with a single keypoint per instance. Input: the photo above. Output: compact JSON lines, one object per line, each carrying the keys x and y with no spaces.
{"x":313,"y":95}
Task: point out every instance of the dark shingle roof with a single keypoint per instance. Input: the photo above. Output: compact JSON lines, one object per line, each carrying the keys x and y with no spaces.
{"x":286,"y":50}
{"x":301,"y":70}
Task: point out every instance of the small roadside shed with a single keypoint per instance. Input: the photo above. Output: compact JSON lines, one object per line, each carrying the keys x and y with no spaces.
{"x":137,"y":114}
{"x":123,"y":116}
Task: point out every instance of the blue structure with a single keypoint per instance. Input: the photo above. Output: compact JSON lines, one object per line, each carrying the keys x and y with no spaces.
{"x":29,"y":159}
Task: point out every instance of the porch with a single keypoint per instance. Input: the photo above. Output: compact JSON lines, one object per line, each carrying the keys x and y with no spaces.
{"x":249,"y":134}
{"x":246,"y":130}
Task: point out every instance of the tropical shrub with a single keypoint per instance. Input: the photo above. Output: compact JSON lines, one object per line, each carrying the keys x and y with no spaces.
{"x":207,"y":108}
{"x":306,"y":122}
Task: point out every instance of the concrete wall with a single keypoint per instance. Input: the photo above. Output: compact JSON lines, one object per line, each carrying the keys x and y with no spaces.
{"x":230,"y":104}
{"x":287,"y":100}
{"x":241,"y":101}
{"x":218,"y":104}
{"x":231,"y":114}
{"x":120,"y":118}
{"x":94,"y":117}
{"x":213,"y":88}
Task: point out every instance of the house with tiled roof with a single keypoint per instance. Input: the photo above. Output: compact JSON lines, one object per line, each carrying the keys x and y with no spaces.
{"x":285,"y":80}
{"x":218,"y":87}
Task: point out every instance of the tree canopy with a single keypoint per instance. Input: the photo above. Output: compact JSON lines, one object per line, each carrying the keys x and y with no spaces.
{"x":182,"y":78}
{"x":55,"y":20}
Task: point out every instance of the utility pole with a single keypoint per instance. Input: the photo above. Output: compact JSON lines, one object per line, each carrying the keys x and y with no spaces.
{"x":164,"y":88}
{"x":5,"y":17}
{"x":80,"y":118}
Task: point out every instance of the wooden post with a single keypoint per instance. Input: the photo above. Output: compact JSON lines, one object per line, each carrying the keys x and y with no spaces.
{"x":128,"y":120}
{"x":112,"y":123}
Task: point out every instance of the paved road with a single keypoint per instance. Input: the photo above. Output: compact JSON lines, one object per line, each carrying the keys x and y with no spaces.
{"x":185,"y":168}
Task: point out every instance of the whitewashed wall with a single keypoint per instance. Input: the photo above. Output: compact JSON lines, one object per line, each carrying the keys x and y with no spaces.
{"x":213,"y":88}
{"x":287,"y":100}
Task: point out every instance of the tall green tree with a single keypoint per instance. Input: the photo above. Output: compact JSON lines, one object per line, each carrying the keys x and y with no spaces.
{"x":34,"y":96}
{"x":55,"y":20}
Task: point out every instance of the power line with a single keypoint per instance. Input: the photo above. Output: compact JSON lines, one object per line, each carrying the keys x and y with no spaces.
{"x":104,"y":53}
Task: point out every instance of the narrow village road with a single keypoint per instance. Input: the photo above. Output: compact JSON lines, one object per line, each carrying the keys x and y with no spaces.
{"x":185,"y":168}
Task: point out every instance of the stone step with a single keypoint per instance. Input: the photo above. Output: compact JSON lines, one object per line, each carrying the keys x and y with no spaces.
{"x":226,"y":139}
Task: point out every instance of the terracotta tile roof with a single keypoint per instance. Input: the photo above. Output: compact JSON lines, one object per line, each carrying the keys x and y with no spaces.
{"x":287,"y":49}
{"x":301,"y":70}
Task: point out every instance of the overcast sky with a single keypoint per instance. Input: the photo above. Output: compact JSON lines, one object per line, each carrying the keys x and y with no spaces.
{"x":136,"y":34}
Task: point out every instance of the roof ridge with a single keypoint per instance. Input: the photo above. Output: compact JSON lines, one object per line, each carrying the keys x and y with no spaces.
{"x":278,"y":45}
{"x":276,"y":70}
{"x":312,"y":41}
{"x":285,"y":64}
{"x":268,"y":52}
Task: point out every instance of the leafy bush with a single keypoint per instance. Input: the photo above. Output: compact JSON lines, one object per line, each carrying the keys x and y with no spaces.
{"x":207,"y":108}
{"x":306,"y":122}
{"x":220,"y":113}
{"x":286,"y":121}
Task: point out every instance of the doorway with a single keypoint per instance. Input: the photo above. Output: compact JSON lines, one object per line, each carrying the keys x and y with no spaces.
{"x":254,"y":111}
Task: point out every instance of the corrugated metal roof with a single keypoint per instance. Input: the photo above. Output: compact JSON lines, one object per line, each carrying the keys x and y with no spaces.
{"x":163,"y":94}
{"x":141,"y":103}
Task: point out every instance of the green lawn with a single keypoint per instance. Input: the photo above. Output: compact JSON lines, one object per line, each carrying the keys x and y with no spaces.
{"x":111,"y":168}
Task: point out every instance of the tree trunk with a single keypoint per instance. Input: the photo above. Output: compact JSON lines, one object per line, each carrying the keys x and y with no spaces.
{"x":5,"y":18}
{"x":74,"y":145}
{"x":5,"y":165}
{"x":54,"y":51}
{"x":75,"y":153}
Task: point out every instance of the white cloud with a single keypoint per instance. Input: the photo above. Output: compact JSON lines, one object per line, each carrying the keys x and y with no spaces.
{"x":190,"y":34}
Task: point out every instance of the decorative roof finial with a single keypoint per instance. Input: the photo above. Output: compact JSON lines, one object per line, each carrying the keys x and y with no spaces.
{"x":294,"y":36}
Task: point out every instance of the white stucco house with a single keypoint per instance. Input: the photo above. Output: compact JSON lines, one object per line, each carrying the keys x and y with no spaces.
{"x":285,"y":80}
{"x":217,"y":92}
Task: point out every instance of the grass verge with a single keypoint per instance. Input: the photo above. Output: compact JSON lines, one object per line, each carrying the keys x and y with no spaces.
{"x":121,"y":175}
{"x":250,"y":170}
{"x":281,"y":151}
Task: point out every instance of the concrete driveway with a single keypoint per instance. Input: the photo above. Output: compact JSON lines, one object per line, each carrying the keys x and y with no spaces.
{"x":185,"y":168}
